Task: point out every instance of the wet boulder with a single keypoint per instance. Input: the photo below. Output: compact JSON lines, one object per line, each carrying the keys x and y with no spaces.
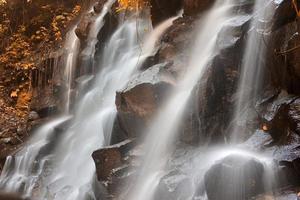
{"x":281,"y":117}
{"x":141,"y":98}
{"x":109,"y":158}
{"x":215,"y":93}
{"x":116,"y":164}
{"x":234,"y":178}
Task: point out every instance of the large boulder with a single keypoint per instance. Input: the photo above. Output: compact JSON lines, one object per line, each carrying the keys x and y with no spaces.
{"x":116,"y":164}
{"x":234,"y":178}
{"x":142,"y":97}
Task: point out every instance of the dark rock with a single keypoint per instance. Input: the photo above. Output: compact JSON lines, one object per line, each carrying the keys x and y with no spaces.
{"x":33,"y":116}
{"x":234,"y":178}
{"x":139,"y":101}
{"x":163,"y":9}
{"x":115,"y":165}
{"x":110,"y":158}
{"x":8,"y":196}
{"x":283,"y":58}
{"x":215,"y":93}
{"x":47,"y":111}
{"x":98,"y":6}
{"x":193,"y":7}
{"x":284,"y":13}
{"x":281,"y":117}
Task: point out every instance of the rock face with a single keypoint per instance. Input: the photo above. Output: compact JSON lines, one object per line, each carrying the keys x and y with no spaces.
{"x":234,"y":178}
{"x":193,"y":7}
{"x":114,"y":165}
{"x":139,"y":101}
{"x":163,"y":9}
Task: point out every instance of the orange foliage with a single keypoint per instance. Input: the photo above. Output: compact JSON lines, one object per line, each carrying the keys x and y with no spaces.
{"x":131,"y":5}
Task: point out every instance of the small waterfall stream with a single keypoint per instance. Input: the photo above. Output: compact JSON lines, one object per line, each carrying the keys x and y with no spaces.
{"x":162,"y":133}
{"x":72,"y":48}
{"x":252,"y":69}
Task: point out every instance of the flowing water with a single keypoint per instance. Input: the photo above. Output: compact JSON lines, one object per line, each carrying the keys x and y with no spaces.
{"x":60,"y":167}
{"x":70,"y":169}
{"x":161,"y":135}
{"x":252,"y":69}
{"x":22,"y":171}
{"x":72,"y":47}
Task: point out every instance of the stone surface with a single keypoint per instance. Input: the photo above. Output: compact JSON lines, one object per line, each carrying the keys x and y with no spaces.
{"x":141,"y":98}
{"x":163,"y":9}
{"x":234,"y":178}
{"x":7,"y":196}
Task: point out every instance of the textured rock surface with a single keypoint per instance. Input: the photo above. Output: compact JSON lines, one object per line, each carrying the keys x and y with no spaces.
{"x":141,"y":98}
{"x":234,"y":178}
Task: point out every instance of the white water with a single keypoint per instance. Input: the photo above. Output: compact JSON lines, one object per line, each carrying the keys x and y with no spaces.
{"x":72,"y":45}
{"x":252,"y":69}
{"x":162,"y":133}
{"x":22,"y":171}
{"x":73,"y":166}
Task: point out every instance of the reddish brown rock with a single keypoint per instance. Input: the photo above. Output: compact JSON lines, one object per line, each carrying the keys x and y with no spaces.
{"x":163,"y":9}
{"x":140,"y":100}
{"x":193,"y":7}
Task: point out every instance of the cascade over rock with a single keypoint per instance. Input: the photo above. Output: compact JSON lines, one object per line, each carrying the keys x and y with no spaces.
{"x":234,"y":178}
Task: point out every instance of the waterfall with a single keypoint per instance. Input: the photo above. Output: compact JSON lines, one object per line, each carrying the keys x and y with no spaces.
{"x":22,"y":171}
{"x":162,"y":133}
{"x":67,"y":172}
{"x":72,"y":47}
{"x":252,"y":69}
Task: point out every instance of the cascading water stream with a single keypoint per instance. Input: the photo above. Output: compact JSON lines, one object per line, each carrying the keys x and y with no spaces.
{"x":92,"y":126}
{"x":72,"y":47}
{"x":161,"y":135}
{"x":252,"y":69}
{"x":22,"y":171}
{"x":71,"y":166}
